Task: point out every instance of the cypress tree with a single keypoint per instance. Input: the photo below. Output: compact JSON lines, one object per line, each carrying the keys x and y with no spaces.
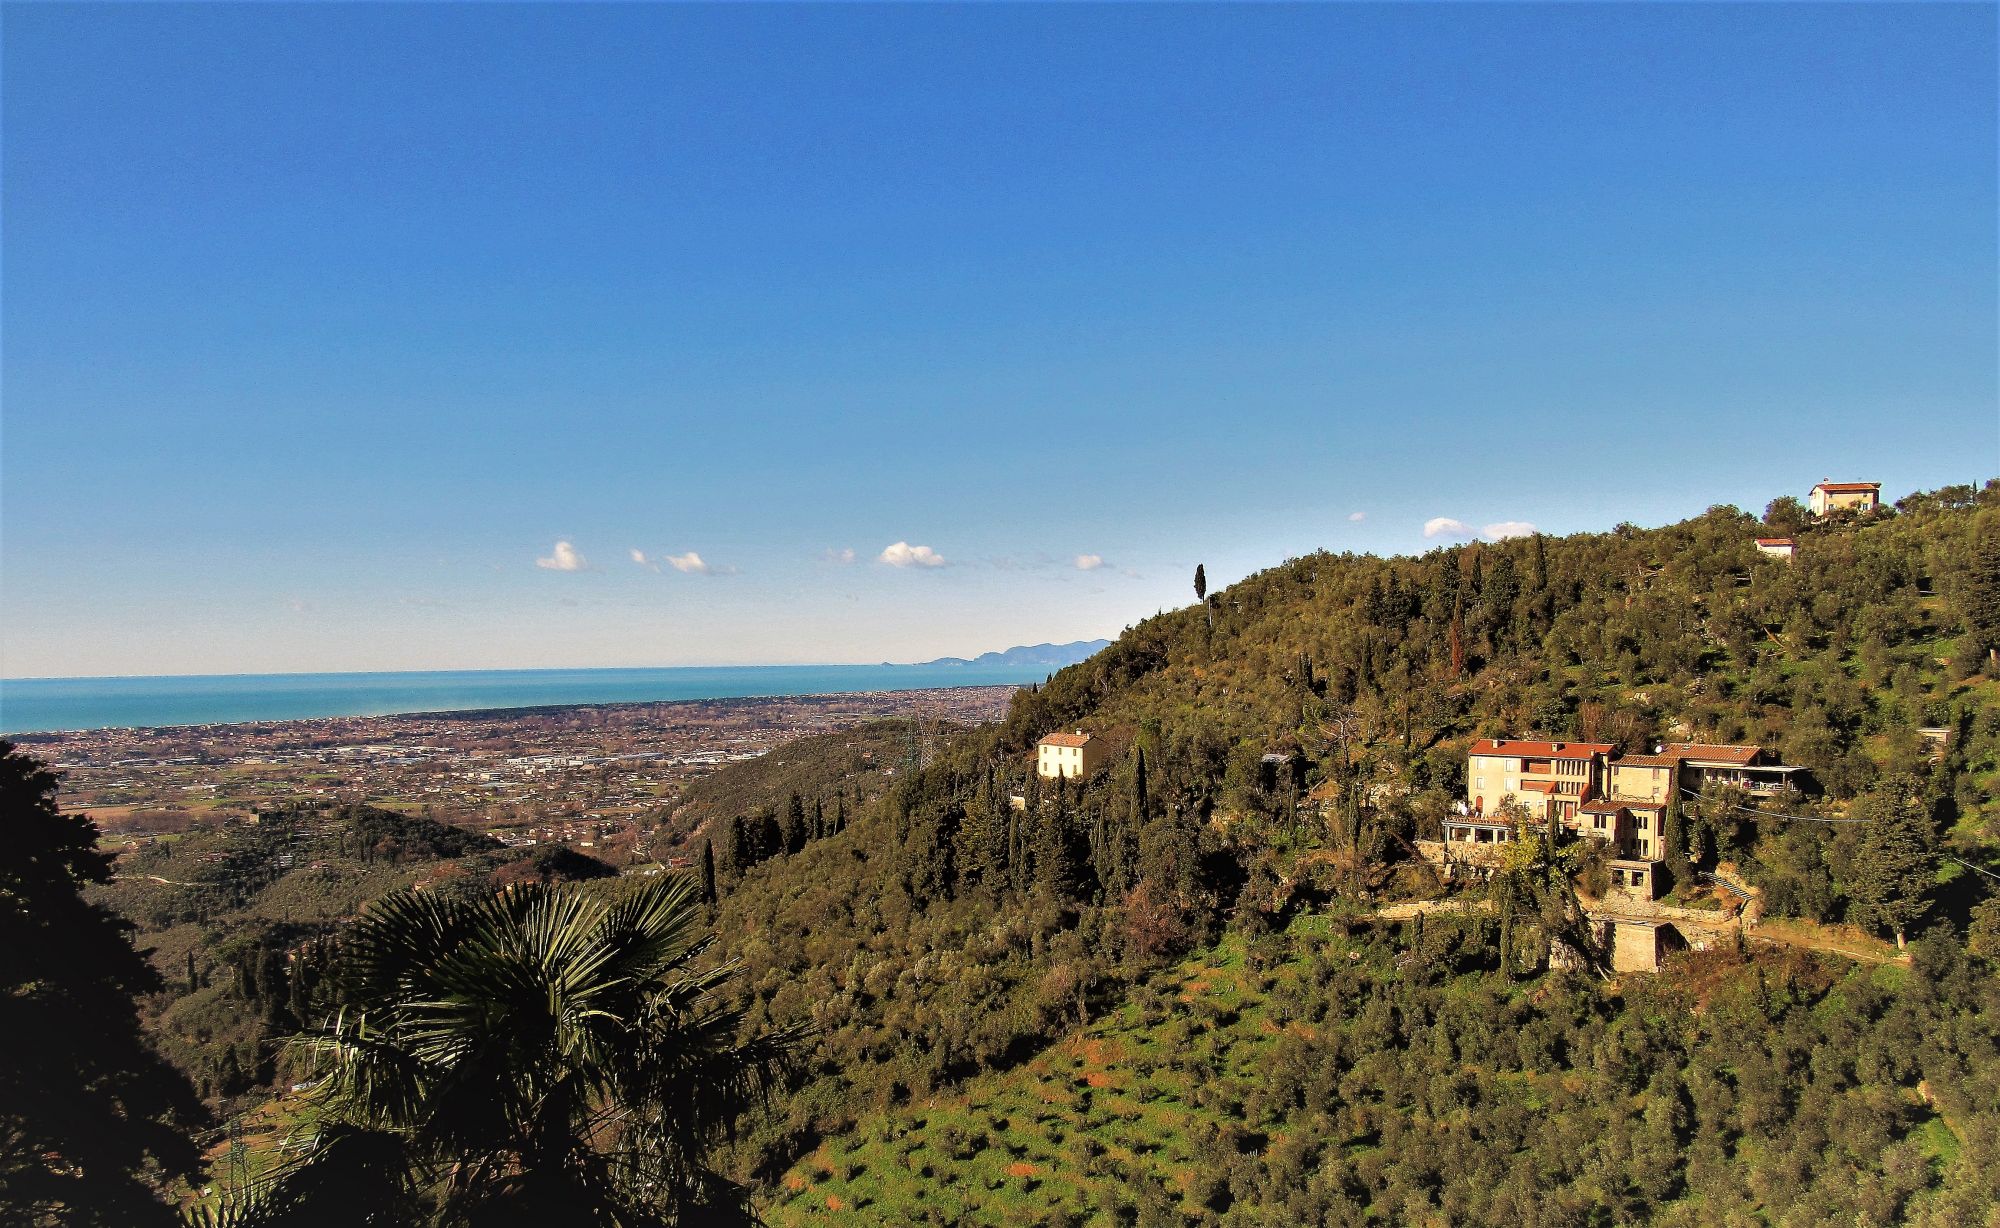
{"x":708,"y":872}
{"x":1139,"y":786}
{"x":1893,"y":874}
{"x":736,"y":846}
{"x":998,"y":837}
{"x":1015,"y":858}
{"x":1056,"y":868}
{"x":792,"y":828}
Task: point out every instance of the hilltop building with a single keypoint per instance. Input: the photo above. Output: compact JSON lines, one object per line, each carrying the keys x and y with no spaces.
{"x":1777,"y":547}
{"x":1830,"y":496}
{"x":1069,"y":755}
{"x":1592,"y":790}
{"x":1550,"y":779}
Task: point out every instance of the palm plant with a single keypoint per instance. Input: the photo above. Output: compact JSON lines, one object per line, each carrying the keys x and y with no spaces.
{"x":533,"y":1055}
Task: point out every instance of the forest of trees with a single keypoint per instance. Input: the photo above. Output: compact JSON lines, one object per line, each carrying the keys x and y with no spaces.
{"x":1271,"y":755}
{"x":951,"y":930}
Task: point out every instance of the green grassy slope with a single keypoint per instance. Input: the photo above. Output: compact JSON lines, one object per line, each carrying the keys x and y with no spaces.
{"x":1393,"y":1077}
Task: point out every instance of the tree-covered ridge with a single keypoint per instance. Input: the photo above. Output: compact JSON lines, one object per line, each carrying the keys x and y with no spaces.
{"x":1336,"y":1074}
{"x":1272,"y":758}
{"x":980,"y":912}
{"x":238,"y":922}
{"x":848,"y":763}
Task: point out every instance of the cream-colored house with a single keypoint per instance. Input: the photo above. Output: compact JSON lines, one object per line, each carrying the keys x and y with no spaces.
{"x":1777,"y":547}
{"x":1068,"y":755}
{"x":1845,"y":497}
{"x":1643,"y":778}
{"x":1546,"y":778}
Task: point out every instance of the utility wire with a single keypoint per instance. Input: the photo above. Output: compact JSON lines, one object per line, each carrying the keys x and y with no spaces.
{"x":1971,"y":867}
{"x":1767,"y":814}
{"x":1807,"y":818}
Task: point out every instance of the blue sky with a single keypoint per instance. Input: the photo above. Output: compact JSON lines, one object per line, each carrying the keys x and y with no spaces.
{"x":324,"y":323}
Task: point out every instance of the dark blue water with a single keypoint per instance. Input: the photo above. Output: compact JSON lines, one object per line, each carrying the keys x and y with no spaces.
{"x":30,"y":705}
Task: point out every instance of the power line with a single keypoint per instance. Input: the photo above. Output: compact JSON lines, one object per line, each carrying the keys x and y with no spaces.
{"x":1767,"y":814}
{"x":1971,"y":867}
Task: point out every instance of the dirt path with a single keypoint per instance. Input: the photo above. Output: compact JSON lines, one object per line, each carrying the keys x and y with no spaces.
{"x":1810,"y":937}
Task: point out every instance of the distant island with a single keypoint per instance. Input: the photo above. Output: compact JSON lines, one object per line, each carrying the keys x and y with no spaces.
{"x":1056,"y":655}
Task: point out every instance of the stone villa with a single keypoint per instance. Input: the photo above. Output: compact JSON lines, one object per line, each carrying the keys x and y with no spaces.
{"x":1591,"y":789}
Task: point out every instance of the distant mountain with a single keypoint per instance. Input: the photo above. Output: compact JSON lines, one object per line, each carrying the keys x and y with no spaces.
{"x":1055,"y":655}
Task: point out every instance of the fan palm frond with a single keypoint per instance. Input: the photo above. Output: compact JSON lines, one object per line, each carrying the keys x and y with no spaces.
{"x":534,"y":1047}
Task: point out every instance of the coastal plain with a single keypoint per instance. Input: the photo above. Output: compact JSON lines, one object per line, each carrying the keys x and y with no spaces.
{"x":597,"y":776}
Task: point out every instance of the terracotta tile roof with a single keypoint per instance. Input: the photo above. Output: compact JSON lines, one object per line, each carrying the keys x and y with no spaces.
{"x":1540,"y":750}
{"x":1741,"y":756}
{"x":1065,"y":739}
{"x":1847,"y":488}
{"x":1774,"y":541}
{"x":1645,"y":761}
{"x":1602,"y":807}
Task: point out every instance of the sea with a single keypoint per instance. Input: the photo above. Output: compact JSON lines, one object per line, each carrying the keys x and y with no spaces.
{"x":40,"y":705}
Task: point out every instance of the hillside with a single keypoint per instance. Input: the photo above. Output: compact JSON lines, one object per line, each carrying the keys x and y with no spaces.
{"x":1157,"y":995}
{"x":945,"y":934}
{"x":239,"y":921}
{"x":1329,"y":1076}
{"x":857,"y":763}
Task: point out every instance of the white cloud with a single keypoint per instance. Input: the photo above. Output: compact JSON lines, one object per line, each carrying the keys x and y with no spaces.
{"x":689,"y":564}
{"x":1089,"y":562}
{"x":903,"y":554}
{"x":1445,"y":526}
{"x":639,"y":557}
{"x":841,"y":557}
{"x":1357,"y":517}
{"x":565,"y":558}
{"x":1501,"y":530}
